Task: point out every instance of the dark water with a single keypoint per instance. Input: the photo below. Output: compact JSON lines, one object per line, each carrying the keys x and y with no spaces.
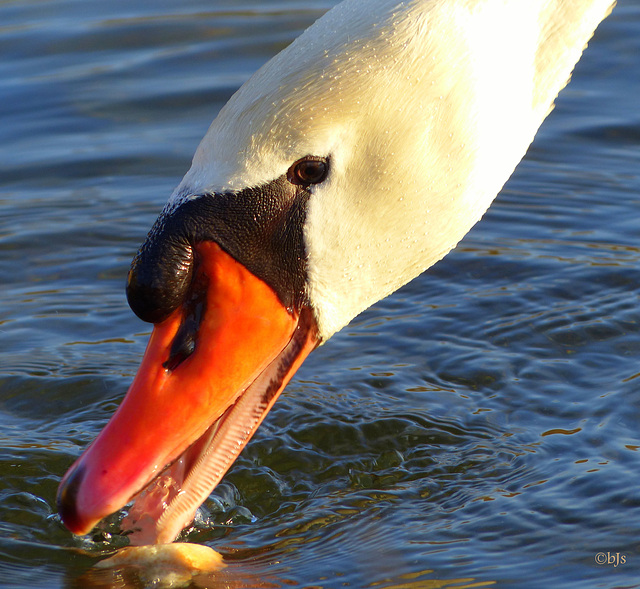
{"x":478,"y":427}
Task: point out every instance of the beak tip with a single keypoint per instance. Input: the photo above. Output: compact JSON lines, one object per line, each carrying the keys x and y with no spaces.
{"x":67,"y":501}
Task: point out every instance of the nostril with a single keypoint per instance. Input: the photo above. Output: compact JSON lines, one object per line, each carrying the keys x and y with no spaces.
{"x":182,"y":347}
{"x":184,"y":343}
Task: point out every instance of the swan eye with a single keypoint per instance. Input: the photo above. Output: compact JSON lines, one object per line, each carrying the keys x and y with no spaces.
{"x":308,"y":171}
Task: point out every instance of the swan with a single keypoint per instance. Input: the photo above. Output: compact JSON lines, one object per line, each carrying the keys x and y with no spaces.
{"x":347,"y":165}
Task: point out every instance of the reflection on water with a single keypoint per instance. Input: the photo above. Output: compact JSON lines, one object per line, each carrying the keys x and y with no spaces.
{"x":250,"y":577}
{"x":370,"y":556}
{"x":477,"y":427}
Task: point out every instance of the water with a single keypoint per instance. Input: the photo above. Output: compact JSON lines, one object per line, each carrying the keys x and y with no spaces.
{"x":479,"y":427}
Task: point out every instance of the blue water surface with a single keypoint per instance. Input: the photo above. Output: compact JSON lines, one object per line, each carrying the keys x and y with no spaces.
{"x":478,"y":428}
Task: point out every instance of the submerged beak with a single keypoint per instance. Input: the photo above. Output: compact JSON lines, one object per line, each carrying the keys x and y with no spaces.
{"x":211,"y":372}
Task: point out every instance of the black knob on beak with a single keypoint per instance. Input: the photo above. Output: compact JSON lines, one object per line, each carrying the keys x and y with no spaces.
{"x":161,"y":272}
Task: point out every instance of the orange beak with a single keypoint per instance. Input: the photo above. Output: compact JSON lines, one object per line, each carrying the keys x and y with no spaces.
{"x":211,"y":372}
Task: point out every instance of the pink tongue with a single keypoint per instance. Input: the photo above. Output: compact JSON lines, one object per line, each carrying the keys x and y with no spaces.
{"x":151,"y":502}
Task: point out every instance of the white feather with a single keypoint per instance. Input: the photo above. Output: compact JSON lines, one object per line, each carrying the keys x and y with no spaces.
{"x":425,"y":107}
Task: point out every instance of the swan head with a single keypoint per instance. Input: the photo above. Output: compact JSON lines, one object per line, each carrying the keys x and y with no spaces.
{"x":347,"y":165}
{"x":398,"y":135}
